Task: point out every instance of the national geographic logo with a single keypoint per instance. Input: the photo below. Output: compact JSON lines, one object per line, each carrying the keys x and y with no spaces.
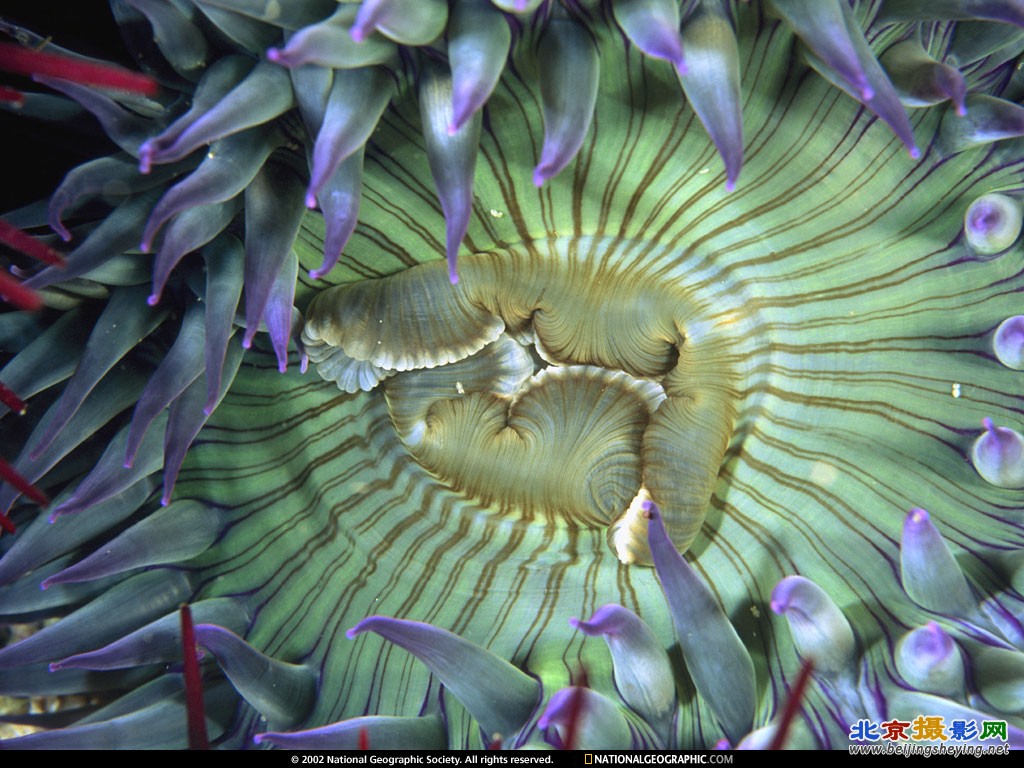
{"x":657,"y":758}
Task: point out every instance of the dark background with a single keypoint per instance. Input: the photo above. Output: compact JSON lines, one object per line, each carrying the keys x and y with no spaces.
{"x":36,"y":154}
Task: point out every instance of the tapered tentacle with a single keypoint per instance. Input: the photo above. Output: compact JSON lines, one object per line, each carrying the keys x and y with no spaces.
{"x":157,"y":642}
{"x":568,"y":58}
{"x":104,"y":619}
{"x":378,"y":732}
{"x":283,"y":693}
{"x":467,"y":670}
{"x":478,"y":43}
{"x":191,"y":527}
{"x":725,"y":679}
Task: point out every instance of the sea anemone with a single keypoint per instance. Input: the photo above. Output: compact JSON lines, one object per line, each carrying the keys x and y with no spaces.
{"x":729,"y":289}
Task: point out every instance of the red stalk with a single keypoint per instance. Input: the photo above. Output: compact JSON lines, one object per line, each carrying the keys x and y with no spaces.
{"x":26,"y":61}
{"x":793,"y":704}
{"x":197,"y":736}
{"x":10,"y":398}
{"x":15,"y":293}
{"x":8,"y":473}
{"x":24,"y":242}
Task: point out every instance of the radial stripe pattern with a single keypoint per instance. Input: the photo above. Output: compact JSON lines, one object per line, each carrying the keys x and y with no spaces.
{"x":788,"y":383}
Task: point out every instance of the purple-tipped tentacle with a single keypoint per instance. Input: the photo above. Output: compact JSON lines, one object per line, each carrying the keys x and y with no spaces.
{"x":339,"y":201}
{"x":116,"y":333}
{"x":158,"y":642}
{"x":643,"y":672}
{"x":354,"y":106}
{"x":110,"y":476}
{"x":122,"y":609}
{"x":470,"y":672}
{"x":112,"y":178}
{"x":725,"y":679}
{"x":340,"y":196}
{"x":229,"y":167}
{"x":712,"y":85}
{"x":452,"y":159}
{"x":653,"y":27}
{"x":171,"y":535}
{"x":25,"y":598}
{"x":883,"y":100}
{"x":223,"y":75}
{"x":568,"y":61}
{"x":820,"y":631}
{"x":1007,"y":343}
{"x":187,"y":232}
{"x":920,"y":80}
{"x":118,"y":232}
{"x":998,"y":455}
{"x":821,"y":24}
{"x":283,"y":693}
{"x":274,"y":210}
{"x":36,"y":545}
{"x":265,"y":93}
{"x":188,"y":415}
{"x":478,"y":45}
{"x":929,"y":659}
{"x":988,"y":119}
{"x":180,"y":367}
{"x":379,"y":731}
{"x":280,"y":314}
{"x":409,"y":22}
{"x":329,"y":43}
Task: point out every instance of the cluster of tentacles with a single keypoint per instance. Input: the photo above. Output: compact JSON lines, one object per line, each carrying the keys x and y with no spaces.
{"x":808,"y":300}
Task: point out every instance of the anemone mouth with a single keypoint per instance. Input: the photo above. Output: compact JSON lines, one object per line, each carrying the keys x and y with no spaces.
{"x":582,"y":437}
{"x":805,"y":328}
